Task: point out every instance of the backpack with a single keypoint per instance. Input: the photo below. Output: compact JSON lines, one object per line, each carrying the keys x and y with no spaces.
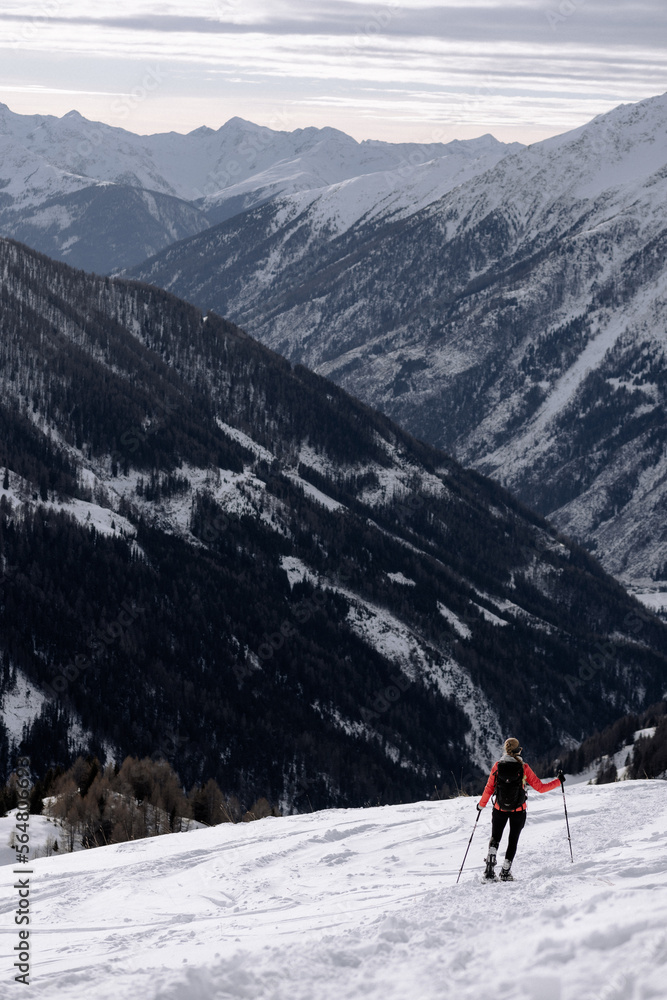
{"x":510,"y":793}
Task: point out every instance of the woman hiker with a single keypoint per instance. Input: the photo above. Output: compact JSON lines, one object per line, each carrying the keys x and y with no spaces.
{"x":508,"y":780}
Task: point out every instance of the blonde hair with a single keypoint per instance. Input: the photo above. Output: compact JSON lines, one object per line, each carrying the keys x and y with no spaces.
{"x":512,"y":747}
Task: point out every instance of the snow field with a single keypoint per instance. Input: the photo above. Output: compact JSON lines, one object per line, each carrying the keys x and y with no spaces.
{"x":41,"y":828}
{"x":363,"y":903}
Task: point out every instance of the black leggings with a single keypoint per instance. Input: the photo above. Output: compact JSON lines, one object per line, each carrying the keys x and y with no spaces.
{"x":498,"y":823}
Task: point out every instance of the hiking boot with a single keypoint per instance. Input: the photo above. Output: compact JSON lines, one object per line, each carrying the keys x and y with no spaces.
{"x":505,"y":873}
{"x":489,"y":871}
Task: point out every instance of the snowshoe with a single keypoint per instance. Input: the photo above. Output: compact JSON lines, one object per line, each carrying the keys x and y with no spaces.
{"x":489,"y":871}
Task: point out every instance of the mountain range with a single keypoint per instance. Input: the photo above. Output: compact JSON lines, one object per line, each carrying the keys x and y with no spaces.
{"x":501,"y":302}
{"x":103,"y":198}
{"x":216,"y":556}
{"x":516,"y":320}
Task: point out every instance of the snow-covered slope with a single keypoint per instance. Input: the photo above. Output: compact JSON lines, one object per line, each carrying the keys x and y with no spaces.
{"x":381,"y":180}
{"x":518,"y":320}
{"x":28,"y":178}
{"x":43,"y":834}
{"x":363,"y":903}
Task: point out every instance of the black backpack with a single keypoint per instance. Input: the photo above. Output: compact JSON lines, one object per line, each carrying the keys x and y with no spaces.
{"x":510,"y":793}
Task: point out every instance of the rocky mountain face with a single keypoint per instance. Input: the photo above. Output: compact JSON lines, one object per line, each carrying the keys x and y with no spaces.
{"x":518,"y":321}
{"x":103,"y":198}
{"x":209,"y":554}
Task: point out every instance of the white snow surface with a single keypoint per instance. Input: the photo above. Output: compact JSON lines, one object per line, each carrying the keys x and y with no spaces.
{"x":19,"y":705}
{"x":345,"y":904}
{"x":312,"y":491}
{"x":297,"y":570}
{"x":41,"y":830}
{"x":459,"y":627}
{"x":655,"y":600}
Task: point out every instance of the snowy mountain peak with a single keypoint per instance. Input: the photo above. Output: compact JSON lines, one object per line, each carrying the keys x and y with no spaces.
{"x":238,"y":124}
{"x":624,"y":146}
{"x":327,"y":132}
{"x":481,"y":142}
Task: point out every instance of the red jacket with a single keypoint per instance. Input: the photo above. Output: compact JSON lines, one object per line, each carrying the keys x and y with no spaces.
{"x":528,"y":776}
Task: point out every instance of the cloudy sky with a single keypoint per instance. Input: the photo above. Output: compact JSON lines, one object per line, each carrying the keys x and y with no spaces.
{"x":398,"y":70}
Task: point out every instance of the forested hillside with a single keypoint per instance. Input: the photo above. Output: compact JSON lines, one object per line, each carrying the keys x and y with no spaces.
{"x":213,"y":555}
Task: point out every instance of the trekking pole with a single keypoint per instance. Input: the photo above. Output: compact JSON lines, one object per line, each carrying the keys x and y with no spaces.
{"x":479,"y":813}
{"x":567,"y":823}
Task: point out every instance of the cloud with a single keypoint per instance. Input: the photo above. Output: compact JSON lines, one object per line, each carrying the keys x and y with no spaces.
{"x":553,"y":58}
{"x":37,"y":88}
{"x":621,"y":24}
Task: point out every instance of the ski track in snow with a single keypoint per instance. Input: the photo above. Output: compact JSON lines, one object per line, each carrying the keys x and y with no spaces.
{"x":363,"y":903}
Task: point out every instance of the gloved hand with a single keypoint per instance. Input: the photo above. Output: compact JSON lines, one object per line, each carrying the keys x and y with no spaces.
{"x":561,"y":777}
{"x":479,"y":808}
